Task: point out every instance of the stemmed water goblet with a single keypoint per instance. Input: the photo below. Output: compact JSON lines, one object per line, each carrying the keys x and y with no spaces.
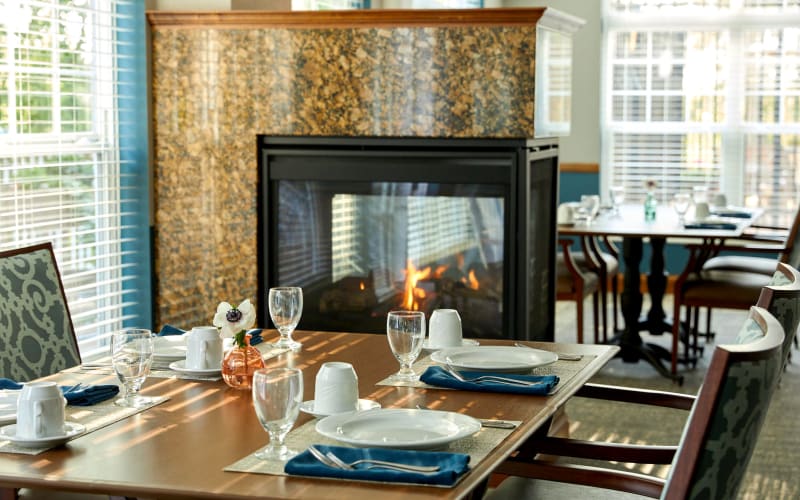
{"x":405,"y":331}
{"x":131,"y":357}
{"x":277,"y":395}
{"x":591,"y":202}
{"x":617,"y":197}
{"x":681,"y":203}
{"x":285,"y":309}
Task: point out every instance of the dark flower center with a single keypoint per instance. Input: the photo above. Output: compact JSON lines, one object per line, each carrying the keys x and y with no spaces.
{"x":234,"y":315}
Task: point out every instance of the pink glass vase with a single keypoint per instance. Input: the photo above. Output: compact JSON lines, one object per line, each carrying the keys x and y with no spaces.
{"x":239,"y":365}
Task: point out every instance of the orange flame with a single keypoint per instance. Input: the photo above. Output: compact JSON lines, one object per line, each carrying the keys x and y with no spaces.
{"x":412,"y":293}
{"x":361,"y":286}
{"x":473,"y":281}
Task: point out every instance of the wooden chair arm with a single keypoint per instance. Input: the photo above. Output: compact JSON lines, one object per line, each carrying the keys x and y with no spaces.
{"x":569,"y":261}
{"x":637,"y":396}
{"x":639,"y":484}
{"x":611,"y":247}
{"x":597,"y":450}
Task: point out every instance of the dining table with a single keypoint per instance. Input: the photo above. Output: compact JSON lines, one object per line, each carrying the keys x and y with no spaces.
{"x":182,"y":447}
{"x":628,"y":223}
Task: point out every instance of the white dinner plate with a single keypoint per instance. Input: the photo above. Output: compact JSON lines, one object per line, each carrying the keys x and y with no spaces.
{"x":363,"y":405}
{"x":494,"y":358}
{"x":398,"y":428}
{"x":180,"y":366}
{"x":169,"y":347}
{"x":464,"y":343}
{"x":8,"y":406}
{"x":71,"y":429}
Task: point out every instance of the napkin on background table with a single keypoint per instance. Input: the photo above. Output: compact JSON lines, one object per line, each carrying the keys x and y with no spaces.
{"x":736,"y":214}
{"x":452,"y":465}
{"x":438,"y":376}
{"x":255,"y":333}
{"x":710,"y":225}
{"x":87,"y":396}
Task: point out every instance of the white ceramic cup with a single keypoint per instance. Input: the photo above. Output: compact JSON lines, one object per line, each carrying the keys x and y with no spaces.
{"x":40,"y":410}
{"x":444,"y":328}
{"x":203,"y":348}
{"x":701,"y":210}
{"x":336,"y":388}
{"x":720,"y":200}
{"x":566,"y":214}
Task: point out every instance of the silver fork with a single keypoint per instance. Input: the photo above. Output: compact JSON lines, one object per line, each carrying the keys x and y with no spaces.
{"x":487,"y":378}
{"x":561,"y":355}
{"x":422,"y":469}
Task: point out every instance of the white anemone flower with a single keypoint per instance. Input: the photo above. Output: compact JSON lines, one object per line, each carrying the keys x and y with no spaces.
{"x":232,"y":320}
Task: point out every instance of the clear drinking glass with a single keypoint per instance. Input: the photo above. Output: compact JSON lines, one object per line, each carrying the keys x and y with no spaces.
{"x":277,"y":394}
{"x":285,"y":309}
{"x":131,"y":357}
{"x":405,"y":331}
{"x":681,"y":203}
{"x":617,"y":197}
{"x":591,"y":202}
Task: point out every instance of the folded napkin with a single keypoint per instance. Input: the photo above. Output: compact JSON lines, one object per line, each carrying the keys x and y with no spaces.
{"x":438,"y":376}
{"x":736,"y":214}
{"x":255,"y":333}
{"x":452,"y":465}
{"x":87,"y":396}
{"x":709,"y":225}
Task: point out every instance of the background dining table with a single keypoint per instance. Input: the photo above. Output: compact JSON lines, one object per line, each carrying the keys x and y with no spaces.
{"x":631,"y":226}
{"x":178,"y":449}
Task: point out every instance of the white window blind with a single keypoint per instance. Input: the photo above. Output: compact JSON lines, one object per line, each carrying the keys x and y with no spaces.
{"x":61,"y":177}
{"x":703,"y":92}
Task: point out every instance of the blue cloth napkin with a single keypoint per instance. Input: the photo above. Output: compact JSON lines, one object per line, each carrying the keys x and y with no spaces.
{"x":438,"y":376}
{"x":86,"y":396}
{"x":709,"y":225}
{"x":255,"y":333}
{"x":452,"y":465}
{"x":733,"y":214}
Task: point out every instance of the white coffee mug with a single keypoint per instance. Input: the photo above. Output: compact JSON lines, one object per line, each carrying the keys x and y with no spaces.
{"x":701,"y":210}
{"x":203,"y":348}
{"x":444,"y":328}
{"x":40,"y":410}
{"x":720,"y":200}
{"x":566,"y":214}
{"x":336,"y":388}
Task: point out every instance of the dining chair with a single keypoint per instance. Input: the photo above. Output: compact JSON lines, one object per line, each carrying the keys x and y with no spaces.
{"x":574,"y":284}
{"x":37,"y":337}
{"x":602,"y":260}
{"x":711,"y":457}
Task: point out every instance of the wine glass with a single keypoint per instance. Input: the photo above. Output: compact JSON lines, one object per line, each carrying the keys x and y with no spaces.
{"x":285,"y":309}
{"x":617,"y":197}
{"x":681,"y":203}
{"x":277,"y":394}
{"x":405,"y":331}
{"x":131,"y":357}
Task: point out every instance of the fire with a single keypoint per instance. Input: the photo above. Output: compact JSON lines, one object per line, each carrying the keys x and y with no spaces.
{"x":473,"y":281}
{"x":361,"y":286}
{"x":412,"y":294}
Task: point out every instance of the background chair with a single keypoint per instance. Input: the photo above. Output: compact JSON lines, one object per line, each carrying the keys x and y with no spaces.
{"x":574,"y":284}
{"x":713,"y":453}
{"x":36,"y":333}
{"x":602,"y":260}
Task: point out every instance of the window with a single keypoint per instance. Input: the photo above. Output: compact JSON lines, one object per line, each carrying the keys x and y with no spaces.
{"x":703,"y":92}
{"x":73,"y":165}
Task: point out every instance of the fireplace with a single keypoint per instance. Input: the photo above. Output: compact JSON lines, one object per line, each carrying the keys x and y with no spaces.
{"x":367,"y":225}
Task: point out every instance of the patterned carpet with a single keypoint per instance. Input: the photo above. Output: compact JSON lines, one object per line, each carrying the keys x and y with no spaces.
{"x":772,"y":472}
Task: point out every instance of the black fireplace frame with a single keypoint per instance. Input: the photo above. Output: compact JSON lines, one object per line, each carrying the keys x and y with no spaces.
{"x":516,"y":164}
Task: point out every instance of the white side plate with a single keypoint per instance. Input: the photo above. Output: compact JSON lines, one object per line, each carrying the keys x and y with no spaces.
{"x":169,"y":347}
{"x":464,"y":343}
{"x":71,"y":429}
{"x":494,"y":358}
{"x":363,"y":405}
{"x":180,"y":366}
{"x":398,"y":428}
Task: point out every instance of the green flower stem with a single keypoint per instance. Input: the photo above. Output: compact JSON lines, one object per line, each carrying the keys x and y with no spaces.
{"x":239,"y":338}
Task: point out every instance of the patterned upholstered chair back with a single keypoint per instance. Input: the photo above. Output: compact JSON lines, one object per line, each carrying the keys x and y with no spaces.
{"x":782,"y":299}
{"x":721,"y":433}
{"x":36,"y":333}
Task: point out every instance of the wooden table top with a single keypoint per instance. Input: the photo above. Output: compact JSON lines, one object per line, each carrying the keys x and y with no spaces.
{"x":630,"y":223}
{"x":178,"y":449}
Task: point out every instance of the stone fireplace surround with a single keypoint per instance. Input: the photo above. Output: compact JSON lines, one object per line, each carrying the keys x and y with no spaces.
{"x":219,"y":79}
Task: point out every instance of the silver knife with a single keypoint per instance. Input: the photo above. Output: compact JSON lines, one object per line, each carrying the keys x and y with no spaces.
{"x":497,"y":424}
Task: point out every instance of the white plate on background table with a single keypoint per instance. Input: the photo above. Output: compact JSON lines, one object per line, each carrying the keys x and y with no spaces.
{"x":397,"y":428}
{"x":180,"y":367}
{"x":464,"y":343}
{"x":71,"y":430}
{"x":494,"y":358}
{"x":169,"y":347}
{"x":8,"y":406}
{"x":363,"y":405}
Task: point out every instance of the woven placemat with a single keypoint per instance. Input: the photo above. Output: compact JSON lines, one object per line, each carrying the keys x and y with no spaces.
{"x":476,"y":446}
{"x":92,"y":417}
{"x":564,"y":369}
